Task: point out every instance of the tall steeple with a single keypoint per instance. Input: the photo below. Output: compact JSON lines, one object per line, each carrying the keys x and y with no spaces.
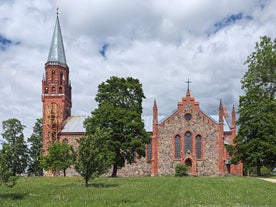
{"x":56,"y":90}
{"x":56,"y":52}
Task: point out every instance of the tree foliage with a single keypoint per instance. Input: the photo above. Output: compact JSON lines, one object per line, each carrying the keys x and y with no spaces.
{"x":94,"y":158}
{"x":14,"y":148}
{"x":34,"y":167}
{"x":60,"y":157}
{"x":120,"y":108}
{"x":6,"y":177}
{"x":255,"y":144}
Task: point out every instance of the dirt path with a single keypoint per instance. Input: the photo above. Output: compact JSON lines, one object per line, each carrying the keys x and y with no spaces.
{"x":269,"y":180}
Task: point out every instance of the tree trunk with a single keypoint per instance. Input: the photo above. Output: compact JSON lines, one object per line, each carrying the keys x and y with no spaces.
{"x":258,"y":168}
{"x":14,"y":171}
{"x":64,"y":172}
{"x":115,"y":168}
{"x":86,"y":181}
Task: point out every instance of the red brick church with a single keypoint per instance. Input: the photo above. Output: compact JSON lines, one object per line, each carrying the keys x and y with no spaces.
{"x":189,"y":135}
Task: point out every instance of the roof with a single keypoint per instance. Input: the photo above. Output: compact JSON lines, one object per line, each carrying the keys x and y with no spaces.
{"x":56,"y":52}
{"x":74,"y":124}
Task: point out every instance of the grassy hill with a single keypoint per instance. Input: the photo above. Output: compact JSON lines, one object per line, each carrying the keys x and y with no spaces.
{"x":146,"y":191}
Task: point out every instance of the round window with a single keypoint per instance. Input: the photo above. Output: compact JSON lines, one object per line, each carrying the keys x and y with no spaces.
{"x":188,"y":117}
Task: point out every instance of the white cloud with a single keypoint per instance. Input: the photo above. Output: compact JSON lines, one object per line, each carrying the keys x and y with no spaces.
{"x":161,"y":43}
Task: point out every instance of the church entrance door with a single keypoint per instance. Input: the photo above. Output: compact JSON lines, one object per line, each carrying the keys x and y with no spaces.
{"x":188,"y":162}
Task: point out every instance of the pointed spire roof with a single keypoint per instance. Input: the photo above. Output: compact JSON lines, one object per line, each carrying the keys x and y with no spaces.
{"x":56,"y":52}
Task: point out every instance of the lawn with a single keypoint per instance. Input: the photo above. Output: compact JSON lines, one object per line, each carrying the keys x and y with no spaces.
{"x":146,"y":191}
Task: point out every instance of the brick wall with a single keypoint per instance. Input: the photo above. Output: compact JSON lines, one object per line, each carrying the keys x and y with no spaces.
{"x":198,"y":125}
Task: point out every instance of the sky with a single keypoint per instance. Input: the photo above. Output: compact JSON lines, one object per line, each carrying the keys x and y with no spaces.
{"x":161,"y":43}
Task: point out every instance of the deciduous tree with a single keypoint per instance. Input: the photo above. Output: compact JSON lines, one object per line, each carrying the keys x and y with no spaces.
{"x":120,"y":108}
{"x":255,"y":144}
{"x":6,"y":177}
{"x":14,"y":147}
{"x":93,"y":157}
{"x":60,"y":157}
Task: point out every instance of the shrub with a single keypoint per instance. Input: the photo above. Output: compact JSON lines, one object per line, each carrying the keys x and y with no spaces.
{"x":265,"y":171}
{"x":181,"y":170}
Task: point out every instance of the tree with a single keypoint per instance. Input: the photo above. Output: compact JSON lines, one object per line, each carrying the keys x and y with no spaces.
{"x":120,"y":108}
{"x":34,"y":167}
{"x":94,"y":158}
{"x":60,"y":157}
{"x":6,"y":177}
{"x":14,"y":147}
{"x":255,"y":144}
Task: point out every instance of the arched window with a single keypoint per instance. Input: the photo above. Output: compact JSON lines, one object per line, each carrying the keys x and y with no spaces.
{"x":198,"y":146}
{"x":188,"y":146}
{"x":53,"y":75}
{"x":60,"y":78}
{"x":53,"y":89}
{"x":177,"y":154}
{"x":149,"y":152}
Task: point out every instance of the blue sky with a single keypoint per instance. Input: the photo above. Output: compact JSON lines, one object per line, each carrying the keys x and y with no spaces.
{"x":4,"y":43}
{"x":162,"y":43}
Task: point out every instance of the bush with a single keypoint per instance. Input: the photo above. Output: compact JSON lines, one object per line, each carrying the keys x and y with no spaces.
{"x":265,"y":171}
{"x":181,"y":170}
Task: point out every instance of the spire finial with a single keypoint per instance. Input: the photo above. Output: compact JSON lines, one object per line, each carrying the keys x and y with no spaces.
{"x":57,"y":11}
{"x":188,"y":84}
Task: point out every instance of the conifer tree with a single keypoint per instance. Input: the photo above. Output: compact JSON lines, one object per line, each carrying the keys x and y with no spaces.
{"x":35,"y":150}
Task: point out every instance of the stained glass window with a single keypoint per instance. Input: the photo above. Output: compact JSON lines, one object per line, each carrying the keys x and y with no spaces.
{"x":198,"y":146}
{"x":188,"y":146}
{"x":149,"y":152}
{"x":188,"y":117}
{"x":177,"y":147}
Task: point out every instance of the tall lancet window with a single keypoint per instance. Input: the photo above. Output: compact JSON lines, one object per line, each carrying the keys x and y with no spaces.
{"x":177,"y":154}
{"x":149,"y":152}
{"x":188,"y":146}
{"x":198,"y":147}
{"x":61,"y":78}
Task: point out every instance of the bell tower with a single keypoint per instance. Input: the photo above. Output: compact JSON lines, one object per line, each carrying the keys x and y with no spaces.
{"x":56,"y":90}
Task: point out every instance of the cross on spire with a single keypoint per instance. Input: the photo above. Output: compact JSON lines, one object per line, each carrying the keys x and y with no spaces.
{"x":188,"y":82}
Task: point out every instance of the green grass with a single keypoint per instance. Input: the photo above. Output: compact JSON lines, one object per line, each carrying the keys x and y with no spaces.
{"x":146,"y":191}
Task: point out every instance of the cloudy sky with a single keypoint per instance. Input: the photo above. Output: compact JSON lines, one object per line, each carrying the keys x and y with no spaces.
{"x":162,"y":43}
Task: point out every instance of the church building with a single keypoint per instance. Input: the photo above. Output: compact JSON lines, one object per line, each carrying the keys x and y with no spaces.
{"x":188,"y":135}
